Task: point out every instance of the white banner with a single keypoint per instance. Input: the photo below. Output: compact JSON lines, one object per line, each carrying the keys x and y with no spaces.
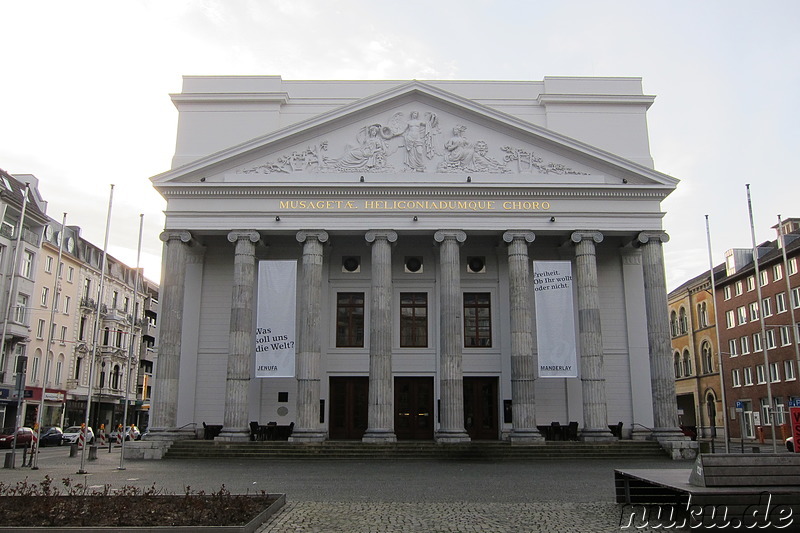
{"x":275,"y":319}
{"x":555,"y":321}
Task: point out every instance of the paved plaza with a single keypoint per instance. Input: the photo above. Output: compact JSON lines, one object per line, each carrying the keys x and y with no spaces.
{"x":383,"y":495}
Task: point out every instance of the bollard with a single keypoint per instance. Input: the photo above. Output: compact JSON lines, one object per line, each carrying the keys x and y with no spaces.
{"x":8,"y":463}
{"x":24,"y":456}
{"x":73,"y":449}
{"x":93,"y":453}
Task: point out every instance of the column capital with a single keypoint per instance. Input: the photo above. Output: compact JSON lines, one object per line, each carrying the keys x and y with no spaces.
{"x":175,"y":234}
{"x":238,"y":234}
{"x":304,"y":234}
{"x":388,"y":234}
{"x":582,"y":235}
{"x":443,"y":234}
{"x":512,"y":234}
{"x":647,"y":236}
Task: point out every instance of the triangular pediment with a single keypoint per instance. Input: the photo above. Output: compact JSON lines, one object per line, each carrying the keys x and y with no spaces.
{"x":415,"y":133}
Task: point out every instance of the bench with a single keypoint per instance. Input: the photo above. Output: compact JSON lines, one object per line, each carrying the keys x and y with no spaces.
{"x":746,"y":470}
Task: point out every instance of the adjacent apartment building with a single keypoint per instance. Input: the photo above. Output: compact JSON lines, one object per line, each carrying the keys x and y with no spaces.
{"x":53,"y":330}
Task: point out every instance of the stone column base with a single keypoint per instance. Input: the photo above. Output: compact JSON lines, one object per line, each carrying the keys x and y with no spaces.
{"x":379,"y":436}
{"x":597,"y":435}
{"x":308,"y":436}
{"x":233,"y":435}
{"x":451,"y":437}
{"x":526,"y":437}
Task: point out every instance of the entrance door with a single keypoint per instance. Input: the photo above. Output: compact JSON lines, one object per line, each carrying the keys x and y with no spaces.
{"x":480,"y":408}
{"x":413,"y":408}
{"x":349,"y":397}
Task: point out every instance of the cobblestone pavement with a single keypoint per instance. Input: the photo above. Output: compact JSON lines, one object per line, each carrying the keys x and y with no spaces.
{"x":380,"y":496}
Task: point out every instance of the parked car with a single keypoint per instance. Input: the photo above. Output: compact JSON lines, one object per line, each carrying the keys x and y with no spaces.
{"x":790,"y":444}
{"x":52,"y":436}
{"x":24,"y":437}
{"x":133,"y":433}
{"x":70,"y":435}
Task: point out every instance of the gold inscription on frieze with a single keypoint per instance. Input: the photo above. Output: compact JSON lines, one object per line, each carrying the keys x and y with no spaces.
{"x":414,"y":205}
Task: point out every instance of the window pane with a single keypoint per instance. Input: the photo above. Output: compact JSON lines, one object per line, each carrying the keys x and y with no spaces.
{"x":477,"y":320}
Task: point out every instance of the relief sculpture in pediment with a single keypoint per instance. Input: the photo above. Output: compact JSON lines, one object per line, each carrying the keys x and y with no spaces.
{"x":410,"y":143}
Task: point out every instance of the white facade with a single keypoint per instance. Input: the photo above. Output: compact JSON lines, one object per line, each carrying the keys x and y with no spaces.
{"x":440,"y":172}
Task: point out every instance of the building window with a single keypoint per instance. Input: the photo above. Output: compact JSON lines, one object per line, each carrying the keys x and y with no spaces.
{"x":673,"y":323}
{"x":677,"y":365}
{"x":771,"y":339}
{"x":777,"y":272}
{"x":708,"y":365}
{"x":765,"y":412}
{"x":730,"y":319}
{"x":21,"y":311}
{"x":126,"y":302}
{"x":751,"y":283}
{"x":40,"y":329}
{"x":48,"y":264}
{"x":350,"y":320}
{"x":59,"y":368}
{"x":702,"y":314}
{"x":732,"y":348}
{"x":114,"y":300}
{"x":780,"y":302}
{"x":726,"y":291}
{"x":687,"y":363}
{"x":115,"y":377}
{"x":78,"y":362}
{"x":70,"y":274}
{"x":763,"y":277}
{"x":741,"y":312}
{"x":792,"y":266}
{"x":745,"y":345}
{"x":63,"y":334}
{"x":774,"y":375}
{"x":788,"y":370}
{"x":760,"y":376}
{"x":413,"y":319}
{"x":739,"y":288}
{"x":45,"y":295}
{"x":66,"y":304}
{"x":684,"y":321}
{"x":35,"y":368}
{"x":780,"y":410}
{"x":737,"y":382}
{"x":753,"y":311}
{"x":748,"y":376}
{"x":786,"y":336}
{"x":26,"y":269}
{"x":756,"y":342}
{"x":477,"y":320}
{"x":82,"y":329}
{"x":766,"y":305}
{"x":796,"y":298}
{"x":87,"y":289}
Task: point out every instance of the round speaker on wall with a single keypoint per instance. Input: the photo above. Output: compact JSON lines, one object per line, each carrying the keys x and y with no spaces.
{"x":413,"y":264}
{"x":351,"y":264}
{"x":476,"y":264}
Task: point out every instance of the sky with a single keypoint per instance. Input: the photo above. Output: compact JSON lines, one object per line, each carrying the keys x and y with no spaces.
{"x":84,"y":91}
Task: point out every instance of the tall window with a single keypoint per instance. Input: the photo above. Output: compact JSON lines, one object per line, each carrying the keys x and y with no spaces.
{"x":780,"y":302}
{"x":687,"y":363}
{"x":792,"y":266}
{"x":413,"y":319}
{"x":26,"y":269}
{"x":786,"y":336}
{"x":777,"y":272}
{"x":70,"y":273}
{"x":730,"y":319}
{"x":677,"y":365}
{"x":732,"y":348}
{"x":748,"y":375}
{"x":21,"y":311}
{"x":760,"y":375}
{"x":35,"y":368}
{"x":673,"y":322}
{"x":87,"y":288}
{"x":78,"y":368}
{"x":737,"y":382}
{"x":45,"y":295}
{"x":745,"y":345}
{"x":751,"y":283}
{"x":59,"y":368}
{"x":350,"y":320}
{"x":788,"y":370}
{"x":40,"y":329}
{"x":708,"y":365}
{"x":756,"y":342}
{"x":774,"y":374}
{"x":771,"y":339}
{"x":741,"y":312}
{"x":48,"y":264}
{"x":684,"y":321}
{"x":726,"y":291}
{"x":796,"y":297}
{"x":766,"y":306}
{"x":702,"y":314}
{"x":82,"y":329}
{"x":63,"y":334}
{"x":477,"y":320}
{"x":753,"y":311}
{"x":66,"y":304}
{"x":763,"y":277}
{"x":738,"y":288}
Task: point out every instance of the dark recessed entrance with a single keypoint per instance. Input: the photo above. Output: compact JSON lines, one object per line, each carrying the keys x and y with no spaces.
{"x":413,"y":408}
{"x":349,"y":398}
{"x":480,"y":408}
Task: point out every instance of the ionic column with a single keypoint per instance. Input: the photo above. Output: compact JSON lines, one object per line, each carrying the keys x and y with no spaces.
{"x":451,"y":428}
{"x":593,"y":383}
{"x":307,"y":428}
{"x":665,"y":410}
{"x":240,"y":343}
{"x":381,"y":397}
{"x":523,"y":374}
{"x":164,"y":415}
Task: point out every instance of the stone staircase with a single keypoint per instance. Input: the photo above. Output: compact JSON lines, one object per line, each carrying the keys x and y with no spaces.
{"x":489,"y":451}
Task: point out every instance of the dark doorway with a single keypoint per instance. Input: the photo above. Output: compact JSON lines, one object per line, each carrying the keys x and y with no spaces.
{"x":413,"y":408}
{"x":349,"y":397}
{"x":480,"y":408}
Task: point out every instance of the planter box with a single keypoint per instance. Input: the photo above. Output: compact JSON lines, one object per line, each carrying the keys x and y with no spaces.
{"x":276,"y":501}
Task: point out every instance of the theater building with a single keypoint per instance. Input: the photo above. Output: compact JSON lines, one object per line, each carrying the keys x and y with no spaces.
{"x":412,"y":216}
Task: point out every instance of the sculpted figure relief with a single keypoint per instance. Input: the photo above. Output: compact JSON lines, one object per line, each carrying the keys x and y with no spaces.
{"x":415,"y":137}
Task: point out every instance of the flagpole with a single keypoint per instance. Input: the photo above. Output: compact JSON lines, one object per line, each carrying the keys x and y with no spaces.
{"x":53,"y":309}
{"x":95,"y":333}
{"x":131,"y":347}
{"x":719,"y":348}
{"x":12,"y":279}
{"x":764,"y":343}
